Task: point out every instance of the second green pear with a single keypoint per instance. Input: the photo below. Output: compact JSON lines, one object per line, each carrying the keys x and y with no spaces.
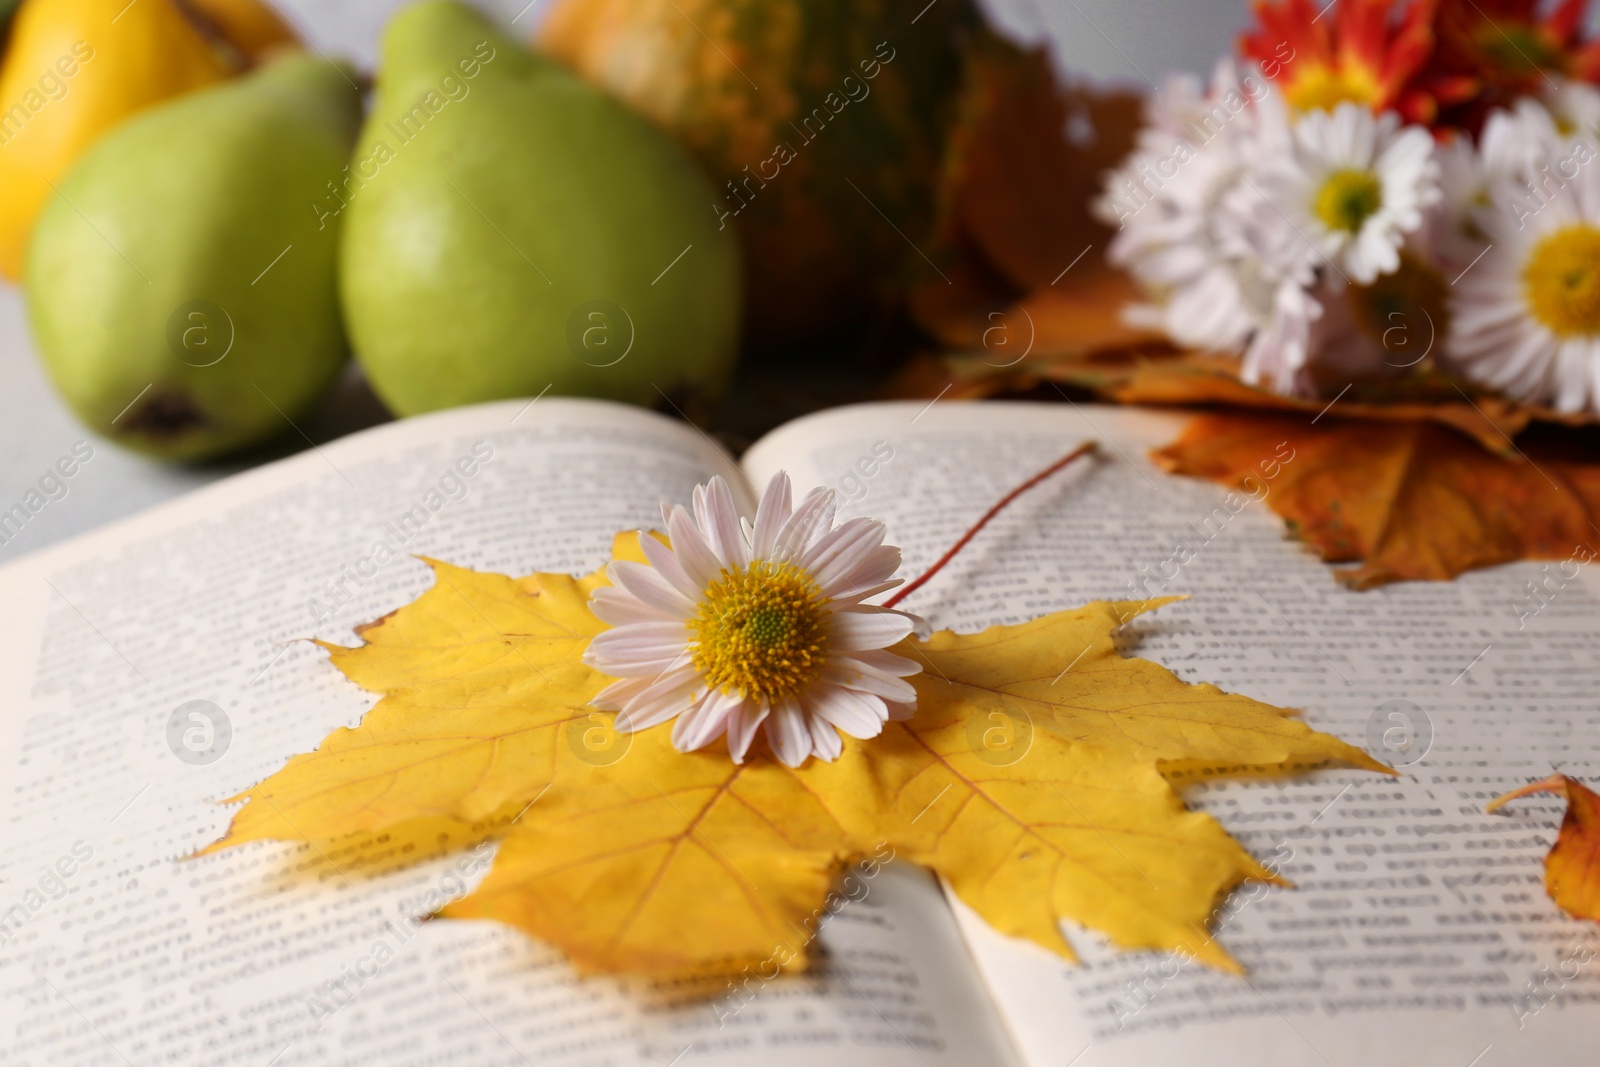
{"x":508,"y":229}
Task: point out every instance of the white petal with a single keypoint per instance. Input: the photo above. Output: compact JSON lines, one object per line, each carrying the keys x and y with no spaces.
{"x":639,"y":648}
{"x":828,"y":542}
{"x":886,"y":662}
{"x":857,"y":714}
{"x":743,"y":726}
{"x":825,"y":741}
{"x":706,"y":721}
{"x":615,"y":695}
{"x":773,"y":512}
{"x":814,"y":514}
{"x":699,"y":562}
{"x":858,"y":597}
{"x":841,"y":552}
{"x":873,"y":572}
{"x":719,"y":519}
{"x":619,"y":607}
{"x":649,"y":586}
{"x":853,"y":674}
{"x":663,"y":697}
{"x":859,"y":629}
{"x":787,"y":732}
{"x":667,"y":564}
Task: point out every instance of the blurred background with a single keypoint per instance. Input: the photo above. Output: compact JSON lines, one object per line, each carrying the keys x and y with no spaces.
{"x":1131,"y":42}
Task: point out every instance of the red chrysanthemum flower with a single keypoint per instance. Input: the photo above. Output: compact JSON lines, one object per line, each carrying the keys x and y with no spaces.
{"x":1489,"y":52}
{"x":1323,"y":54}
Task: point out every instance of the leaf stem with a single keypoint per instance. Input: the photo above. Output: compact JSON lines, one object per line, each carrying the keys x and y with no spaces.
{"x":1087,"y":448}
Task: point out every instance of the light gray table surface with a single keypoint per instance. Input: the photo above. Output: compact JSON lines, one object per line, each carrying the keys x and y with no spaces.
{"x":1128,"y":41}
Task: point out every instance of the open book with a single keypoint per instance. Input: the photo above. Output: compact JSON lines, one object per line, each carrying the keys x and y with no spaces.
{"x":152,"y":668}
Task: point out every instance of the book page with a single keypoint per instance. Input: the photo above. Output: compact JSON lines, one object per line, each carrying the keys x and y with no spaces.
{"x":1419,"y":931}
{"x":150,"y":670}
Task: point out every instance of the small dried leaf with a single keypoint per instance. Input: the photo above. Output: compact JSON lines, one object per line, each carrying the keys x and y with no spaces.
{"x":1572,"y":867}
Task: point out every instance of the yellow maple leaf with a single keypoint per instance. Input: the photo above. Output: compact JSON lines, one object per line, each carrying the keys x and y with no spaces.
{"x":481,"y":674}
{"x":667,"y":862}
{"x":1031,"y":778}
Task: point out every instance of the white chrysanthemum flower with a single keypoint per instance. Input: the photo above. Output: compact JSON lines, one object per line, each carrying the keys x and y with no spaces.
{"x":1355,"y":185}
{"x":1280,"y":288}
{"x":1220,"y":273}
{"x":1514,"y":144}
{"x":1279,"y":353}
{"x":737,"y":628}
{"x":1526,"y":319}
{"x":1517,"y":140}
{"x":1450,"y":229}
{"x":1535,"y":147}
{"x":1574,"y":109}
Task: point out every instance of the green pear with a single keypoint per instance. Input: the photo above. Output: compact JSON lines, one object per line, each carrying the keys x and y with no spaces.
{"x":181,"y":283}
{"x":509,"y":229}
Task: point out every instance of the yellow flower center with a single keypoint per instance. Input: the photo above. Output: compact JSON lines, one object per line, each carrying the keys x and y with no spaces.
{"x":761,"y":632}
{"x":1348,"y":199}
{"x":1561,"y":281}
{"x":1325,"y":88}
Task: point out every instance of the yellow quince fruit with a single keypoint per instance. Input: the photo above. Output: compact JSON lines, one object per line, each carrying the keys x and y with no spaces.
{"x":75,"y":68}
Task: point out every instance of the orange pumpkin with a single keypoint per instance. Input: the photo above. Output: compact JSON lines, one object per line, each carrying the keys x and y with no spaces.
{"x":821,"y":122}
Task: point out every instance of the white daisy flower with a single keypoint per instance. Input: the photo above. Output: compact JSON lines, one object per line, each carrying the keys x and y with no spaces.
{"x":738,"y":628}
{"x":1279,"y":352}
{"x":1231,"y":109}
{"x":1534,"y":148}
{"x":1450,"y":229}
{"x":1513,"y":145}
{"x":1517,"y":140}
{"x":1574,"y":108}
{"x":1217,"y":278}
{"x":1526,"y":319}
{"x":1354,"y":185}
{"x":1279,"y":289}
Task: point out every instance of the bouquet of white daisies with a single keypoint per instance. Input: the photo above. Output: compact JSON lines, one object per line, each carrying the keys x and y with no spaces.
{"x":1331,"y":222}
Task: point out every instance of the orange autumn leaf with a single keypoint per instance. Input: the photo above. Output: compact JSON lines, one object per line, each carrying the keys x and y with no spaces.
{"x":1145,"y":372}
{"x":1062,"y":324}
{"x":1083,"y":318}
{"x":1024,"y":260}
{"x":633,"y":857}
{"x":1415,"y":477}
{"x":1195,"y":380}
{"x":1213,"y":381}
{"x":1572,"y":867}
{"x":1404,"y":498}
{"x":1027,"y":161}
